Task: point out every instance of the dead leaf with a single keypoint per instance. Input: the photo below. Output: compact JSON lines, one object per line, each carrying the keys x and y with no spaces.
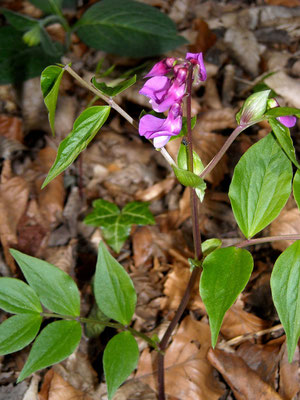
{"x":213,"y":120}
{"x":56,"y":388}
{"x":286,"y":87}
{"x":188,"y":374}
{"x":11,"y":127}
{"x":245,"y":383}
{"x":287,"y":223}
{"x":205,"y":37}
{"x":289,"y":375}
{"x":284,"y":3}
{"x":135,"y":390}
{"x":156,"y":191}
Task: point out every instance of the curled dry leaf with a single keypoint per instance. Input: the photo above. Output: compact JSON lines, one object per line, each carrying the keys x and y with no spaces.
{"x":156,"y":191}
{"x":188,"y":374}
{"x":56,"y":388}
{"x":245,"y":383}
{"x":287,"y":223}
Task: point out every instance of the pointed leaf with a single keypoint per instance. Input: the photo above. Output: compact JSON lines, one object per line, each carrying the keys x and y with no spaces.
{"x":282,"y":111}
{"x":120,"y":358}
{"x":116,"y":234}
{"x":296,"y":187}
{"x":226,"y":272}
{"x":104,"y":213}
{"x":137,"y":213}
{"x":127,"y":28}
{"x":18,"y":331}
{"x":112,"y":91}
{"x":50,"y":81}
{"x":283,"y":136}
{"x":17,"y":297}
{"x":114,"y":290}
{"x":260,"y":186}
{"x":84,"y":129}
{"x":19,"y":21}
{"x":56,"y":289}
{"x":55,"y":343}
{"x":285,"y":286}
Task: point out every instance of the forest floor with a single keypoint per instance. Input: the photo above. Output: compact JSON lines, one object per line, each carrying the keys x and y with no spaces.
{"x":245,"y":44}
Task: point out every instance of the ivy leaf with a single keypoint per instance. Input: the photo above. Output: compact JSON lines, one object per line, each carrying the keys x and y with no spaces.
{"x":84,"y":130}
{"x":114,"y":291}
{"x":112,"y":91}
{"x":285,"y":286}
{"x":120,"y":358}
{"x":296,"y":187}
{"x":50,"y":81}
{"x":282,"y":111}
{"x":261,"y":185}
{"x":17,"y":297}
{"x":283,"y":136}
{"x":55,"y":343}
{"x":56,"y":289}
{"x":18,"y":331}
{"x":226,"y":272}
{"x":116,"y":224}
{"x":128,"y":28}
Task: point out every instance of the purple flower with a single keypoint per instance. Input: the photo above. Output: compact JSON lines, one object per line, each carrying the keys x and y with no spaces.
{"x":163,"y":92}
{"x":197,"y":59}
{"x":160,"y":130}
{"x":288,"y":120}
{"x":161,"y":68}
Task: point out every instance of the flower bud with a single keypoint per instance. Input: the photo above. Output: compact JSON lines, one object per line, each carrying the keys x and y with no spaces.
{"x":253,"y":108}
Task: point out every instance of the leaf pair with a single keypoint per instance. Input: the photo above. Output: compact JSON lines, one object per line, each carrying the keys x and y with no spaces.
{"x":56,"y":291}
{"x":116,"y":224}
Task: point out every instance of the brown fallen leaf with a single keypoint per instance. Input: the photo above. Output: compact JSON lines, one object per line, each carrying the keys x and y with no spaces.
{"x":135,"y":390}
{"x":287,"y":223}
{"x":205,"y":37}
{"x":245,"y":383}
{"x":156,"y":191}
{"x":188,"y":374}
{"x":56,"y":388}
{"x":11,"y":127}
{"x":289,"y":375}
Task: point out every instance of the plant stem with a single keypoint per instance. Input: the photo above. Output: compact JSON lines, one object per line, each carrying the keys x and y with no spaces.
{"x":267,"y":239}
{"x":197,"y":248}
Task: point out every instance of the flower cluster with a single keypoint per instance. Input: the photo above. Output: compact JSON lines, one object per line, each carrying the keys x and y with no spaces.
{"x":166,"y":89}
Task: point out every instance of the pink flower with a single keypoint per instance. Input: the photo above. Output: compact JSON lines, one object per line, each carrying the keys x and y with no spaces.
{"x":163,"y":92}
{"x":161,"y":68}
{"x":160,"y":130}
{"x":197,"y":59}
{"x":288,"y":120}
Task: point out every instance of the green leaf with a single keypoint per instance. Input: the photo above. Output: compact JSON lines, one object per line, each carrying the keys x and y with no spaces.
{"x":55,"y":343}
{"x":84,"y":130}
{"x":48,"y":6}
{"x":18,"y":62}
{"x":116,"y":224}
{"x":94,"y":329}
{"x":17,"y":297}
{"x":283,"y":136}
{"x":56,"y":289}
{"x":226,"y":272}
{"x":33,"y":36}
{"x":282,"y":111}
{"x":182,"y":160}
{"x":50,"y":81}
{"x":114,"y":290}
{"x":18,"y":331}
{"x":296,"y":187}
{"x":260,"y":186}
{"x":120,"y":358}
{"x":19,"y":21}
{"x":210,"y":245}
{"x":188,"y":178}
{"x":137,"y":213}
{"x":128,"y":28}
{"x":285,"y":286}
{"x":112,"y":91}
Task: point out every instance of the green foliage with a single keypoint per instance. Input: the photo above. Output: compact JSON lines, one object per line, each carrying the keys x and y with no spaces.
{"x":50,"y":81}
{"x":18,"y":331}
{"x":48,"y":6}
{"x":56,"y":289}
{"x":296,"y":187}
{"x":55,"y":343}
{"x":226,"y":272}
{"x":116,"y":224}
{"x":285,"y":286}
{"x":282,"y":111}
{"x":18,"y":21}
{"x":283,"y":136}
{"x":84,"y":130}
{"x":210,"y":245}
{"x":114,"y":291}
{"x":120,"y":358}
{"x":18,"y":62}
{"x":127,"y":28}
{"x":260,"y":186}
{"x":17,"y":297}
{"x":112,"y":91}
{"x":188,"y":178}
{"x":94,"y":329}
